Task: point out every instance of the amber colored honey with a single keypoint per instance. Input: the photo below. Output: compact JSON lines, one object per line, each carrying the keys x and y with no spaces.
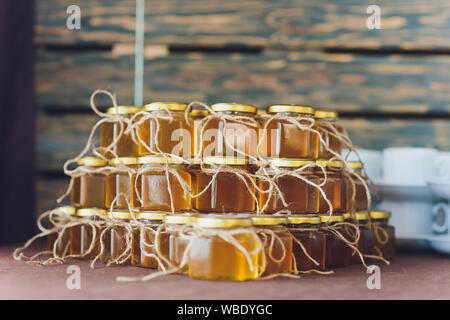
{"x":88,"y":191}
{"x":365,"y":243}
{"x":387,"y":250}
{"x":330,"y":140}
{"x":81,"y":237}
{"x":361,"y":201}
{"x":124,"y":147}
{"x":63,"y":245}
{"x":177,"y":248}
{"x":337,"y":251}
{"x":334,"y":190}
{"x":120,"y":189}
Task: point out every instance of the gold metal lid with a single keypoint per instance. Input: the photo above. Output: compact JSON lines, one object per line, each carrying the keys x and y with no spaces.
{"x":355,"y":164}
{"x":380,"y":214}
{"x":123,"y":110}
{"x":68,"y":210}
{"x":332,"y":164}
{"x":120,"y":215}
{"x":280,"y":108}
{"x":362,"y":215}
{"x":325,"y":114}
{"x":151,"y":215}
{"x":236,"y":107}
{"x":180,"y":218}
{"x":161,"y":106}
{"x":158,"y":160}
{"x":124,"y":160}
{"x":89,"y":212}
{"x":303,"y":219}
{"x":199,"y":113}
{"x":224,"y":221}
{"x":92,"y":162}
{"x":347,"y":215}
{"x":230,"y":161}
{"x":325,"y":218}
{"x":289,"y":162}
{"x":268,"y":220}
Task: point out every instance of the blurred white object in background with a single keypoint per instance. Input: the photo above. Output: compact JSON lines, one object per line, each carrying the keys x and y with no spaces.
{"x":371,"y":160}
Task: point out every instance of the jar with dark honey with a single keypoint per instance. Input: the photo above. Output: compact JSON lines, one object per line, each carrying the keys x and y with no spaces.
{"x":300,"y":196}
{"x":120,"y":185}
{"x":88,"y":190}
{"x":212,"y":257}
{"x":384,"y":234}
{"x":284,"y":139}
{"x":337,"y":252}
{"x":326,"y":121}
{"x":110,"y":132}
{"x":62,"y":247}
{"x":277,"y":243}
{"x":83,"y":236}
{"x":361,"y":202}
{"x":197,"y":115}
{"x":305,"y":229}
{"x":224,"y":191}
{"x":223,"y":137}
{"x":333,"y":187}
{"x":366,"y":237}
{"x":153,"y":185}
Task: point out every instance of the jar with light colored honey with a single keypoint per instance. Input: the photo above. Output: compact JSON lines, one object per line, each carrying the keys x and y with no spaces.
{"x":224,"y":191}
{"x":197,"y":115}
{"x":169,"y":132}
{"x":213,"y":258}
{"x":305,"y":229}
{"x":384,"y":234}
{"x":110,"y":132}
{"x":337,"y":252}
{"x":284,"y":139}
{"x":62,"y":247}
{"x":83,"y":236}
{"x":366,"y":238}
{"x":277,"y":243}
{"x":153,"y":185}
{"x":361,"y":201}
{"x":88,"y":190}
{"x":120,"y":185}
{"x":223,"y":137}
{"x":333,"y":187}
{"x":300,"y":196}
{"x":326,"y":121}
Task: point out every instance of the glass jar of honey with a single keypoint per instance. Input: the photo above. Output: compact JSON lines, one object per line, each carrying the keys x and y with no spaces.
{"x":337,"y":252}
{"x":241,"y":134}
{"x":213,"y":258}
{"x":305,"y":229}
{"x":120,"y":185}
{"x":177,"y":242}
{"x":284,"y":139}
{"x":333,"y":187}
{"x":82,"y":236}
{"x":197,"y":115}
{"x":62,"y":247}
{"x":110,"y":132}
{"x":144,"y":240}
{"x":225,"y":191}
{"x":277,"y":243}
{"x":168,"y":132}
{"x":361,"y":202}
{"x":153,"y":185}
{"x":326,"y":121}
{"x":384,"y":234}
{"x":88,"y":190}
{"x":300,"y":196}
{"x":366,"y":237}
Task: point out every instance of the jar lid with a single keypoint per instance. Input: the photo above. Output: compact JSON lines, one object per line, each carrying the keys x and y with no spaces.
{"x":68,"y":210}
{"x":151,"y":215}
{"x":268,"y":220}
{"x":158,"y":160}
{"x":325,"y":218}
{"x":289,"y":162}
{"x":303,"y":219}
{"x":92,"y":162}
{"x":120,"y":215}
{"x":236,"y":107}
{"x":124,"y":160}
{"x":223,"y":221}
{"x":325,"y":114}
{"x":89,"y":212}
{"x":280,"y":108}
{"x":355,"y":164}
{"x":180,"y":218}
{"x":199,"y":113}
{"x":231,"y":161}
{"x":380,"y":214}
{"x":362,"y":215}
{"x":332,"y":164}
{"x":260,"y":112}
{"x":162,"y":106}
{"x":123,"y":110}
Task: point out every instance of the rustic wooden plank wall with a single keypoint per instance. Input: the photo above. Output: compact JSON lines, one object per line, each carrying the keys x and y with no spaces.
{"x":392,"y":86}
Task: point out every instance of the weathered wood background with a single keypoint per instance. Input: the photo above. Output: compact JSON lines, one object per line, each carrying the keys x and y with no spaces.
{"x":392,"y":86}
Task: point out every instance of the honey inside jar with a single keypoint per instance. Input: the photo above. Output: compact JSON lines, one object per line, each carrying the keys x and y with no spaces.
{"x":88,"y":190}
{"x":277,"y":243}
{"x":333,"y":186}
{"x":115,"y":239}
{"x":326,"y":121}
{"x":224,"y":137}
{"x":197,"y":115}
{"x":120,"y":185}
{"x":152,"y":185}
{"x":168,"y":132}
{"x":366,"y":238}
{"x":213,"y":258}
{"x":305,"y":229}
{"x":360,"y":201}
{"x":82,"y":236}
{"x":224,"y":191}
{"x":384,"y":234}
{"x":282,"y":138}
{"x":337,"y":251}
{"x":110,"y":132}
{"x":300,"y":196}
{"x":62,"y":247}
